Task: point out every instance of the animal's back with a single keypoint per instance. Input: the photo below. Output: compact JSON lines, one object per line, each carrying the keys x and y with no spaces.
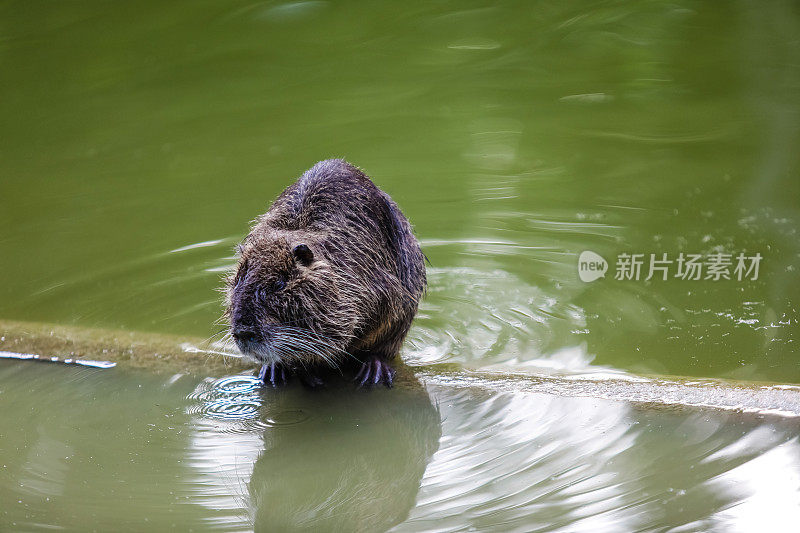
{"x":355,"y":219}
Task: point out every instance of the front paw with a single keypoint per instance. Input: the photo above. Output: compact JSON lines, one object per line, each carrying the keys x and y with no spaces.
{"x":273,"y":374}
{"x":374,"y":372}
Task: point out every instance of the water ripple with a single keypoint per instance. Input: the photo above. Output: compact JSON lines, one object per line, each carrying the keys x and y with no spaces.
{"x":496,"y":318}
{"x":537,"y":462}
{"x":239,"y":400}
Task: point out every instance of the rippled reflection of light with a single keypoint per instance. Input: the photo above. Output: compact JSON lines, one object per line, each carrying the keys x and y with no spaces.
{"x":225,"y":443}
{"x":766,"y":490}
{"x":523,"y":462}
{"x":232,"y":398}
{"x":204,"y":244}
{"x":495,"y":318}
{"x":504,"y":458}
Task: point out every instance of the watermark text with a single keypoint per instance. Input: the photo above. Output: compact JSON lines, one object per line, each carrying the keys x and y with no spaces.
{"x":663,"y":266}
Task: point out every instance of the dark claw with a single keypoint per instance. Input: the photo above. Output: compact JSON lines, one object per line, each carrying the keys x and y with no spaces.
{"x":374,"y":372}
{"x":274,"y":374}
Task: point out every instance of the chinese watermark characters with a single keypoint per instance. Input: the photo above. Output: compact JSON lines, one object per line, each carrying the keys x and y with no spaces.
{"x":715,"y":266}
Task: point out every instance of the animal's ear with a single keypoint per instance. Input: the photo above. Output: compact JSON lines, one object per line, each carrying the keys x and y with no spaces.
{"x":303,"y":254}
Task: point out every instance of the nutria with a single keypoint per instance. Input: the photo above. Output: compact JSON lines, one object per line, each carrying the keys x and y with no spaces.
{"x":328,"y":278}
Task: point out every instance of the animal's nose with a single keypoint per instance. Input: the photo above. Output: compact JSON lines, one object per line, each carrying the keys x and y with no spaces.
{"x":244,"y":335}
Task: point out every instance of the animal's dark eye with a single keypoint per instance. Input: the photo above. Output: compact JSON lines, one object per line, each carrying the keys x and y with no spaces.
{"x":303,"y":254}
{"x":279,"y":284}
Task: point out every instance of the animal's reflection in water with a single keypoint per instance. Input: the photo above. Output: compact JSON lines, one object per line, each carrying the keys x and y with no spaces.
{"x":342,"y":459}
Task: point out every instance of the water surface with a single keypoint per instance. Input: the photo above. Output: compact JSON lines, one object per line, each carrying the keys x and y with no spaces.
{"x":109,"y":450}
{"x":138,"y":140}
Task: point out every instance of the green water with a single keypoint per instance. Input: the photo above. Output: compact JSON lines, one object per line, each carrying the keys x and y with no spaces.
{"x":222,"y":455}
{"x":513,"y":136}
{"x":138,"y":139}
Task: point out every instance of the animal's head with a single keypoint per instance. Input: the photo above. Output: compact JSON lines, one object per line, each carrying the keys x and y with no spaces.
{"x":285,"y":304}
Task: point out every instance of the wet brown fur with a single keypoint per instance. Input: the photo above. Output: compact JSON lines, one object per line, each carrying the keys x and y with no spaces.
{"x":353,"y":301}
